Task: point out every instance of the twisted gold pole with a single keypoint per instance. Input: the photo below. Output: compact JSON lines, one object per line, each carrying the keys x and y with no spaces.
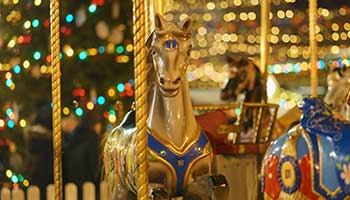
{"x":56,"y":96}
{"x":140,"y":97}
{"x":313,"y":46}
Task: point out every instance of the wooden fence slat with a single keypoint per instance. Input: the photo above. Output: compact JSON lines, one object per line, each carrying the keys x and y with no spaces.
{"x":18,"y":194}
{"x":89,"y":191}
{"x":5,"y":194}
{"x":71,"y":192}
{"x":104,"y":190}
{"x":33,"y":193}
{"x":50,"y":192}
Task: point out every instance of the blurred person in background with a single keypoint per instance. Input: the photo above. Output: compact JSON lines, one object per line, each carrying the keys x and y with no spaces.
{"x":81,"y":151}
{"x":38,"y":139}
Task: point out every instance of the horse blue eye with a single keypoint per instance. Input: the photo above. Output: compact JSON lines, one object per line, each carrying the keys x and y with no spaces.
{"x":170,"y":44}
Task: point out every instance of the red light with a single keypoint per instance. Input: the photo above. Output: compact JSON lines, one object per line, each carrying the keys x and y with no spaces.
{"x":47,"y":23}
{"x":130,"y":93}
{"x":127,"y":86}
{"x":78,"y":92}
{"x":98,"y":2}
{"x":15,"y":186}
{"x":27,"y":39}
{"x":48,"y":58}
{"x":20,"y":39}
{"x":105,"y":114}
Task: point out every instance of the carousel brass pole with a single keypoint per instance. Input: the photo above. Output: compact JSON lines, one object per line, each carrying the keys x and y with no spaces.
{"x":264,"y":43}
{"x":56,"y":96}
{"x":313,"y":46}
{"x":139,"y":29}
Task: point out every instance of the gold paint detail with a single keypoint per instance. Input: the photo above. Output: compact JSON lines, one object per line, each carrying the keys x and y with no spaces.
{"x":312,"y":167}
{"x":296,"y":195}
{"x":172,"y":147}
{"x":290,"y":146}
{"x":288,"y":174}
{"x":320,"y":155}
{"x":206,"y":152}
{"x":241,"y":149}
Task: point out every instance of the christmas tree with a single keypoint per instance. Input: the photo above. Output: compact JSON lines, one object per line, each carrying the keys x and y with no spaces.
{"x":96,"y":64}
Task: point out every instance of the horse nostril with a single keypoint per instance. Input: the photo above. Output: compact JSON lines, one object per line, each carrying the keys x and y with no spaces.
{"x":177,"y":81}
{"x":162,"y":81}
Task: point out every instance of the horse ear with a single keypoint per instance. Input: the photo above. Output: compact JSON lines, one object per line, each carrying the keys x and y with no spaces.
{"x":186,"y":24}
{"x":149,"y":39}
{"x":160,"y":22}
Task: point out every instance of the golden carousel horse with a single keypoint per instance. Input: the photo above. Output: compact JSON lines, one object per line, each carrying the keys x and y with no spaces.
{"x":179,"y":152}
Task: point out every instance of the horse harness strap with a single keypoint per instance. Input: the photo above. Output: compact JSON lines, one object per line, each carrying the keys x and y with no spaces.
{"x":180,"y":163}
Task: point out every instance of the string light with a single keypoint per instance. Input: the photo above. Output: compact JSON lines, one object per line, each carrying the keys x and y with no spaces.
{"x":66,"y":111}
{"x":79,"y":111}
{"x":101,"y":100}
{"x":92,"y":8}
{"x":35,"y":23}
{"x":69,"y":18}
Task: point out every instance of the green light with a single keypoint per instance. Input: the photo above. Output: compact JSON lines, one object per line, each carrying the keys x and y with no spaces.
{"x":35,"y":23}
{"x":120,"y":49}
{"x":37,"y":55}
{"x":92,"y":8}
{"x":20,"y":178}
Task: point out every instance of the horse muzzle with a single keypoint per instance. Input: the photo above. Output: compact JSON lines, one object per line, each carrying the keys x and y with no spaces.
{"x":169,"y":88}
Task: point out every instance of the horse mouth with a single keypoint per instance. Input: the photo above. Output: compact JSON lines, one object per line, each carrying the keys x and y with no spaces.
{"x":169,"y":92}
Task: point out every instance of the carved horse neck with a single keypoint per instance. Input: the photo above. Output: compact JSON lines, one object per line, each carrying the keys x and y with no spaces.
{"x":172,"y":119}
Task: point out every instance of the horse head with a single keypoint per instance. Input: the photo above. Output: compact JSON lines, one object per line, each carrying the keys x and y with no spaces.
{"x":170,"y":47}
{"x":338,"y":80}
{"x":247,"y":79}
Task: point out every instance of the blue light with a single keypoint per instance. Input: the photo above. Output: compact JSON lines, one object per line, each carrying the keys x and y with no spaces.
{"x":35,"y":23}
{"x":83,"y":55}
{"x":92,"y":8}
{"x":120,"y":87}
{"x":101,"y":49}
{"x":322,"y":64}
{"x":8,"y":82}
{"x":37,"y":55}
{"x":17,"y":69}
{"x":11,"y":124}
{"x":14,"y":179}
{"x":69,"y":18}
{"x":79,"y":111}
{"x":132,"y":82}
{"x":101,"y":100}
{"x":61,"y":55}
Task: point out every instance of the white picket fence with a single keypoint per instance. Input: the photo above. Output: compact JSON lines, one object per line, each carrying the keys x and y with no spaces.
{"x":70,"y":192}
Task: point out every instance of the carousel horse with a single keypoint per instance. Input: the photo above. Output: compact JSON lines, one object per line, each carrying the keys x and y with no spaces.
{"x":338,"y":81}
{"x":312,"y":160}
{"x":246,"y":80}
{"x":179,"y":152}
